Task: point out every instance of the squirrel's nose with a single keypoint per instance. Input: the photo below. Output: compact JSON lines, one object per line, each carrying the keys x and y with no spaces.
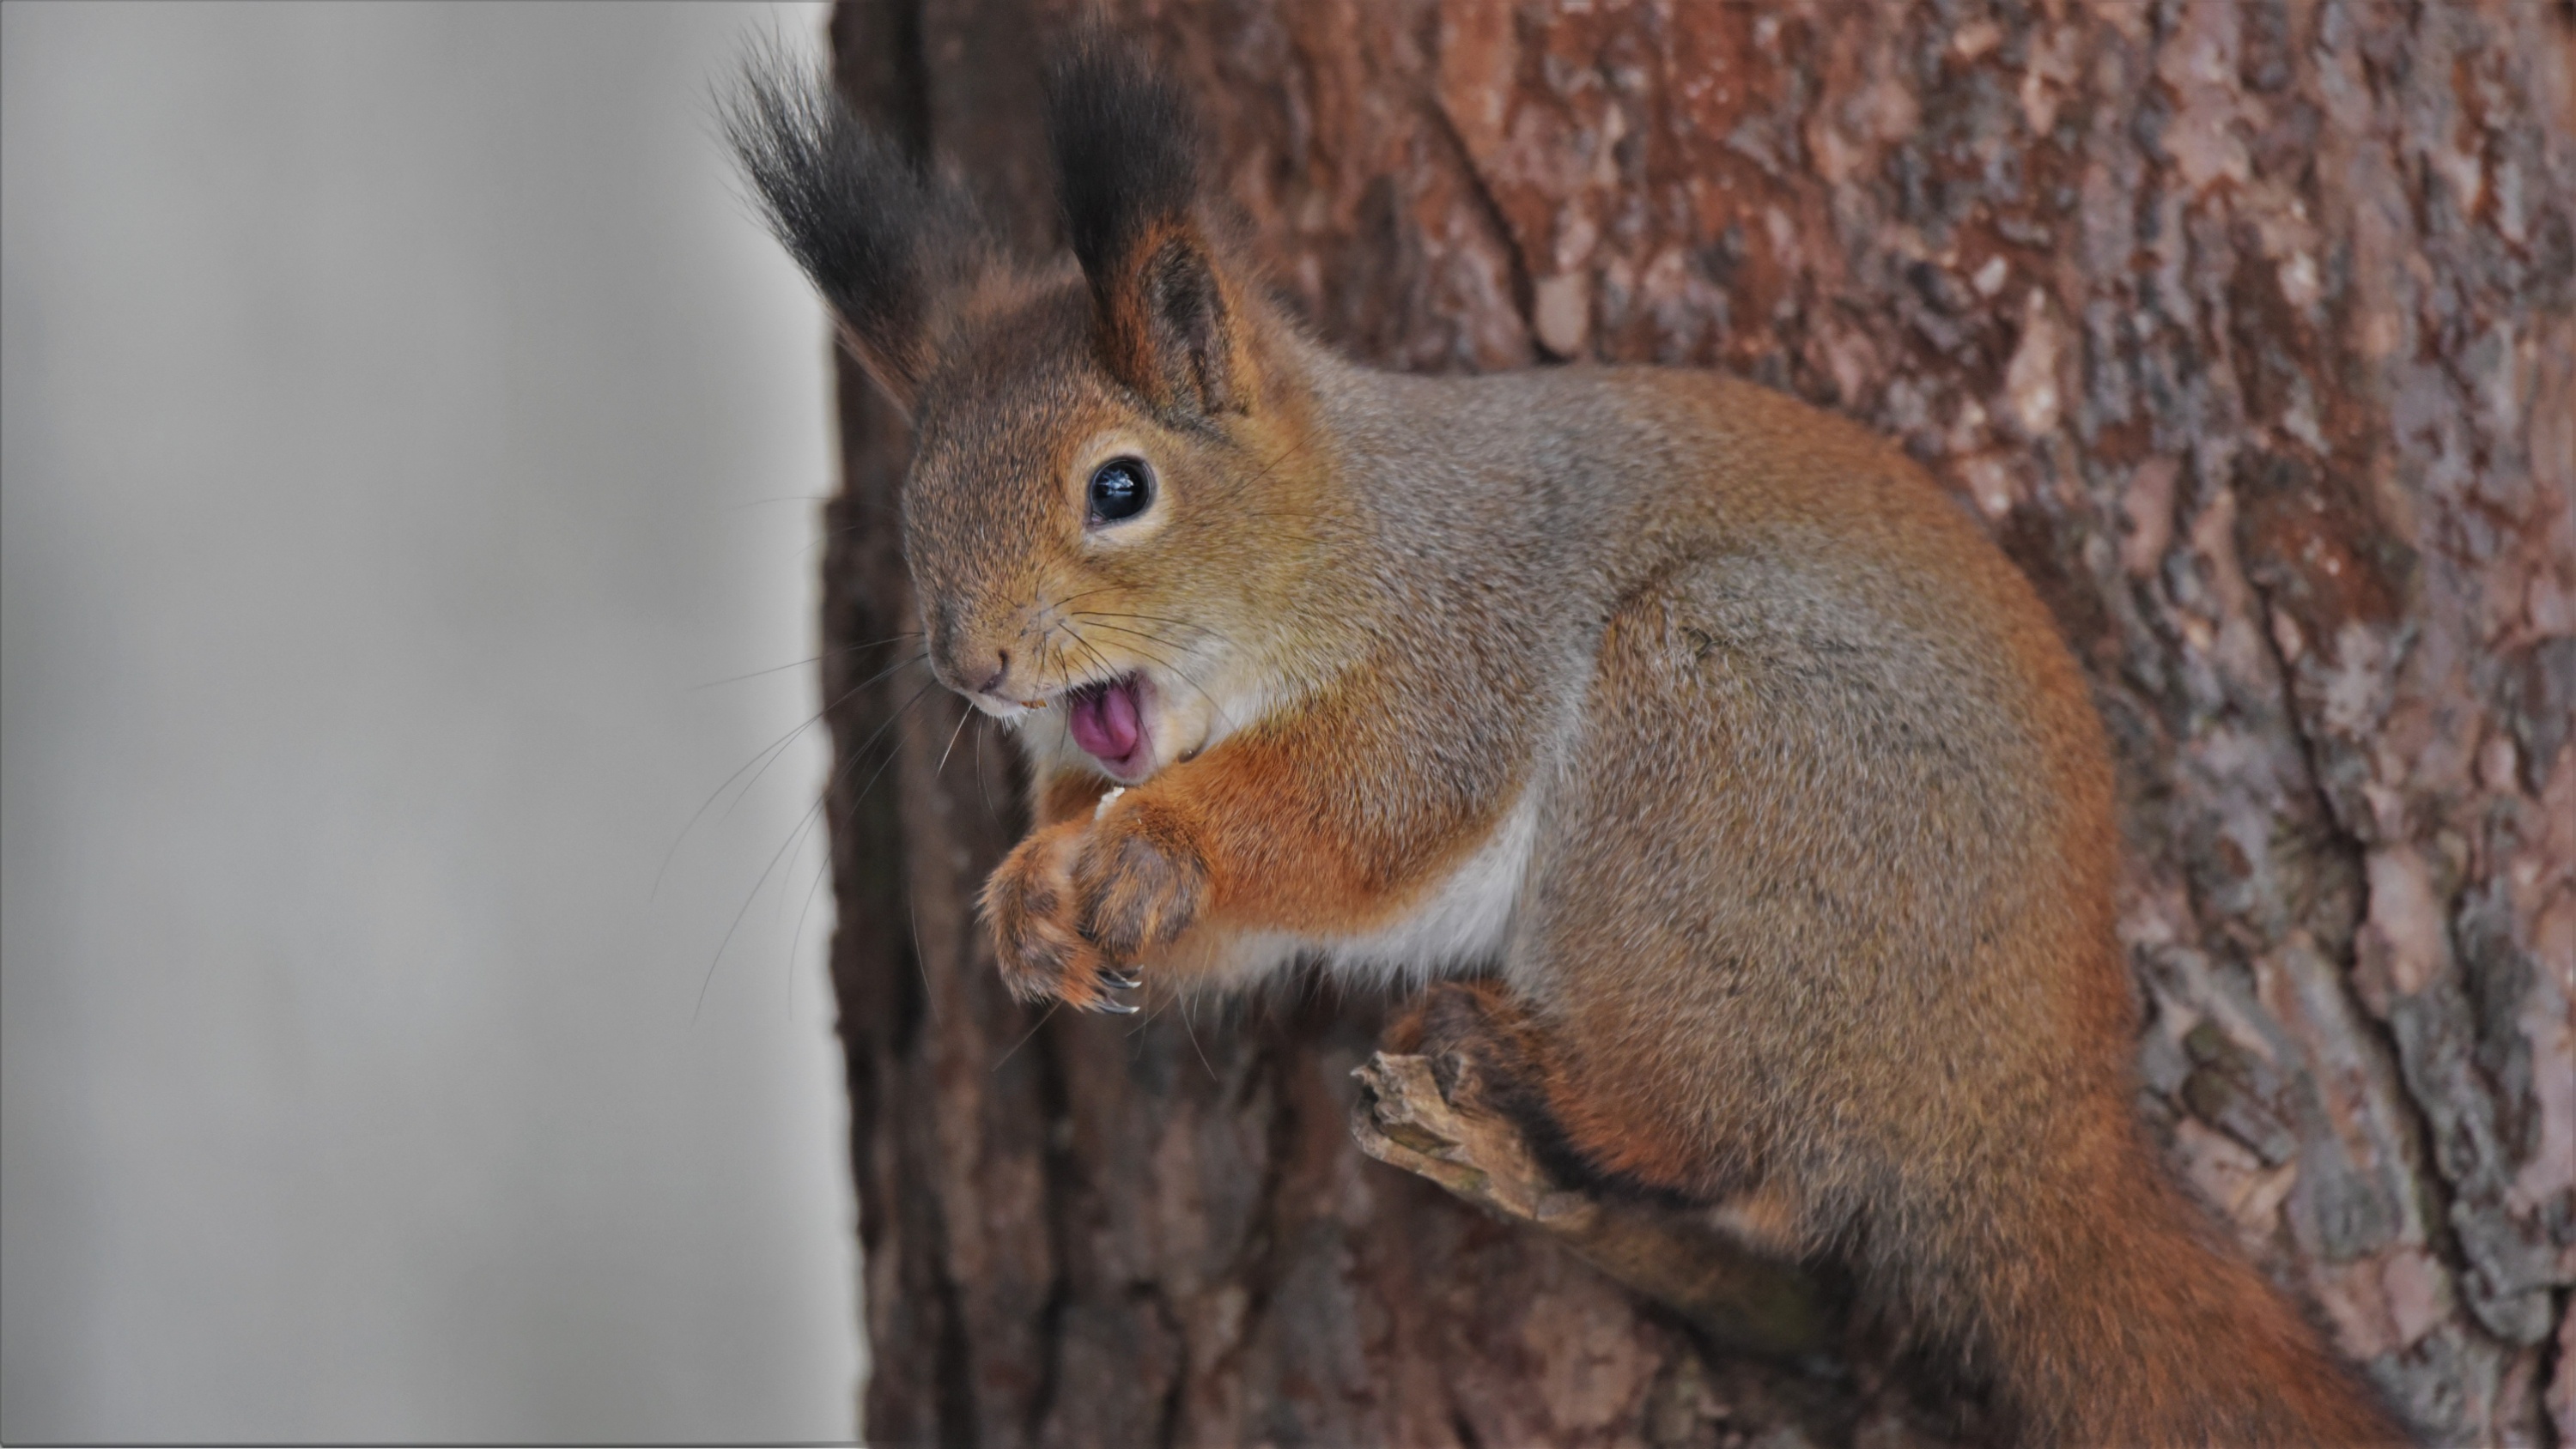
{"x":1001,"y":668}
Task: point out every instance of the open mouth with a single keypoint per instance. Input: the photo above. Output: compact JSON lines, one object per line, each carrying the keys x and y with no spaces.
{"x":1108,"y":722}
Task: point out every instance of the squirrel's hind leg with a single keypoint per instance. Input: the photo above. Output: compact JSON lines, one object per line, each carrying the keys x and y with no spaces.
{"x":1483,"y":1039}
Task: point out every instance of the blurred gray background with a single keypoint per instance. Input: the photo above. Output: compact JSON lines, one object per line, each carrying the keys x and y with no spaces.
{"x":400,"y":420}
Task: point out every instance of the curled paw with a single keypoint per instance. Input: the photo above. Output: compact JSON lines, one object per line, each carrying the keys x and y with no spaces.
{"x":1076,"y":905}
{"x":1479,"y":1038}
{"x":1031,"y":904}
{"x":1140,"y":880}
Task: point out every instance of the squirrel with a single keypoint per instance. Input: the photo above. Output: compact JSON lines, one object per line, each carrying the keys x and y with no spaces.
{"x":1732,"y":798}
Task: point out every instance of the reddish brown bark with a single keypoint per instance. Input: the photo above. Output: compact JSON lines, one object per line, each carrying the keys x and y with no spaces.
{"x":2250,"y":330}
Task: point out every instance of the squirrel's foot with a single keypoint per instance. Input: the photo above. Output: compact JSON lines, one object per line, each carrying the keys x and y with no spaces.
{"x":1480,"y":1041}
{"x":1489,"y":1052}
{"x":1075,"y":905}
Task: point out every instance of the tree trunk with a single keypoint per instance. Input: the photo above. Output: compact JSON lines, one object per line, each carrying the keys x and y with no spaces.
{"x":2248,"y":328}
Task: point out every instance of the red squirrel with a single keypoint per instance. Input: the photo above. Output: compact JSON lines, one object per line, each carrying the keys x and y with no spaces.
{"x":1733,"y":796}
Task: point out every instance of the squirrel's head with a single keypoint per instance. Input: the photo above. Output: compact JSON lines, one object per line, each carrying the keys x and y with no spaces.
{"x":1107,"y":506}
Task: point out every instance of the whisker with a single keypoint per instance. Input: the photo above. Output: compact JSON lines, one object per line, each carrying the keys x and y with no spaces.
{"x":803,"y":823}
{"x":795,"y":834}
{"x":890,"y":754}
{"x":1182,"y":1000}
{"x":966,"y":714}
{"x":1075,"y":598}
{"x":827,"y":709}
{"x":1186,"y":677}
{"x":1151,"y":618}
{"x":801,"y":663}
{"x":1268,"y":468}
{"x":1148,"y":619}
{"x":769,"y":755}
{"x":921,"y":963}
{"x":1142,"y":634}
{"x":1086,"y":647}
{"x":981,"y":787}
{"x":682,"y":838}
{"x":813,"y":889}
{"x":1033,"y":1031}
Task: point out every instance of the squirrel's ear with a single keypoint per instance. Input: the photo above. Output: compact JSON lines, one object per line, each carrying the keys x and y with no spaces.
{"x":1126,"y":168}
{"x":883,"y":237}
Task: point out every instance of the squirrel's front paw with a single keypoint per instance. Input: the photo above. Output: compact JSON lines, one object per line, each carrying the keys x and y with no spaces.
{"x":1036,"y":919}
{"x":1140,"y":878}
{"x":1076,"y":904}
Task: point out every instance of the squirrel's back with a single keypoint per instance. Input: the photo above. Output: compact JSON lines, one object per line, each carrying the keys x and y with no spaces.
{"x":1823,"y":918}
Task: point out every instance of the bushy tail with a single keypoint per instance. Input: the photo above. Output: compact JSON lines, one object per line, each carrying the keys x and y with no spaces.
{"x":2108,"y":1315}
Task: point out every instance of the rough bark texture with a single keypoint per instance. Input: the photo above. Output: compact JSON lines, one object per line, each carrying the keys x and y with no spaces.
{"x":1735,"y":1297}
{"x":2248,"y":328}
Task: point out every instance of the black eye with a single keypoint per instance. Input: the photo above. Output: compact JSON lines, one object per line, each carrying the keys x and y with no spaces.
{"x":1119,"y":490}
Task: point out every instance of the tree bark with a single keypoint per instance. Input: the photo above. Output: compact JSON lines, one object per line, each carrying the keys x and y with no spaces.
{"x":2248,"y":328}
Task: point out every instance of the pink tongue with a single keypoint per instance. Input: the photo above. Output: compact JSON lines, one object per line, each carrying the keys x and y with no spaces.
{"x":1104,"y":721}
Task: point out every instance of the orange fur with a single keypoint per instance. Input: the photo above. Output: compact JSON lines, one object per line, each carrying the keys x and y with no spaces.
{"x":1072,"y":795}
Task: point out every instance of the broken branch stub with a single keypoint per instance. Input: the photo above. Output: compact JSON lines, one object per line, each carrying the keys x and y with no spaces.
{"x":1739,"y":1298}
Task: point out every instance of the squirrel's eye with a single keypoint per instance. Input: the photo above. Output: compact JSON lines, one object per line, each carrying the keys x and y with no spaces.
{"x":1119,"y":490}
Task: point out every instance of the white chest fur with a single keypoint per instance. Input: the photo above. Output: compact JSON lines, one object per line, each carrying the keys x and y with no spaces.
{"x":1462,"y":923}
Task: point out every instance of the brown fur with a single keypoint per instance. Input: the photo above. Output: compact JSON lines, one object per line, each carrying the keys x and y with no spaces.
{"x":1815,"y":916}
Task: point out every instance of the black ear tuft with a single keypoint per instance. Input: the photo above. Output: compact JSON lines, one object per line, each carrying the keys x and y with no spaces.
{"x":1126,"y":160}
{"x":1126,"y":150}
{"x":880,"y":235}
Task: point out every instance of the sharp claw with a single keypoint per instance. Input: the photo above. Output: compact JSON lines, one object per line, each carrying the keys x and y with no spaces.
{"x":1117,"y":1008}
{"x":1120,"y":981}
